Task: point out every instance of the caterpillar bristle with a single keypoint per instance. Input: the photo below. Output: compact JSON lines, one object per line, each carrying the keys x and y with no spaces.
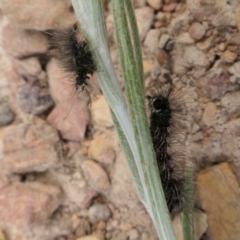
{"x":168,"y":127}
{"x":70,"y":47}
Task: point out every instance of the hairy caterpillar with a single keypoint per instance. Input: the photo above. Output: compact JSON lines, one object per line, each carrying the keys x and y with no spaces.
{"x":166,"y":126}
{"x":71,"y":49}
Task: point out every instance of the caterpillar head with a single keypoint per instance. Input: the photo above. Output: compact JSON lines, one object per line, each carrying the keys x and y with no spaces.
{"x":159,"y":105}
{"x":160,"y":110}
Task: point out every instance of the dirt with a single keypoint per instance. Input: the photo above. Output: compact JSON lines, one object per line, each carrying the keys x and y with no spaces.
{"x":63,"y":175}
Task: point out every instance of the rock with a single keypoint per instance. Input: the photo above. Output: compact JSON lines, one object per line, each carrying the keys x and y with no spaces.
{"x":222,"y":46}
{"x":164,"y":38}
{"x":97,"y":177}
{"x":2,"y":235}
{"x":185,"y":38}
{"x":60,"y":85}
{"x":71,"y":115}
{"x":29,"y":147}
{"x":39,"y":15}
{"x":101,"y":225}
{"x":90,"y":237}
{"x":100,"y":113}
{"x":229,"y":56}
{"x":209,"y":114}
{"x":163,"y":58}
{"x":28,"y":204}
{"x":169,"y":7}
{"x":27,"y":42}
{"x":206,"y":43}
{"x":179,"y":24}
{"x":159,"y":24}
{"x":200,"y":225}
{"x":197,"y":31}
{"x":101,"y":149}
{"x":224,"y":13}
{"x":120,"y":178}
{"x":235,"y":39}
{"x":6,"y":115}
{"x":147,"y":66}
{"x":144,"y":17}
{"x":72,"y":148}
{"x":29,"y":68}
{"x":231,"y":104}
{"x":155,"y":4}
{"x":98,"y":212}
{"x":133,"y":234}
{"x":235,"y":69}
{"x":9,"y":78}
{"x":76,"y":190}
{"x":185,"y":54}
{"x":230,"y":144}
{"x":151,"y":40}
{"x":70,"y":118}
{"x":34,"y":100}
{"x":219,"y":195}
{"x":83,"y":227}
{"x":218,"y":85}
{"x":139,"y":3}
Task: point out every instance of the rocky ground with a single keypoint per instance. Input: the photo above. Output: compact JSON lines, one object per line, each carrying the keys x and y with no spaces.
{"x":63,"y":175}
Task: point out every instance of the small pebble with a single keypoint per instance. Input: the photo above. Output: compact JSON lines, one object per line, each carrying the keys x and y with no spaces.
{"x":133,"y":234}
{"x":229,"y":56}
{"x":151,"y":40}
{"x":101,"y":225}
{"x":89,"y":237}
{"x":209,"y":114}
{"x":222,"y":46}
{"x":2,"y":235}
{"x":32,"y":99}
{"x":155,"y":4}
{"x":170,"y":7}
{"x":6,"y":115}
{"x":98,"y":212}
{"x":96,"y":175}
{"x":144,"y":17}
{"x":197,"y":31}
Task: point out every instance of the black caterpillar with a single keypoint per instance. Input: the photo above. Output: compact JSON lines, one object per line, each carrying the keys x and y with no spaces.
{"x":71,"y":49}
{"x":166,"y":125}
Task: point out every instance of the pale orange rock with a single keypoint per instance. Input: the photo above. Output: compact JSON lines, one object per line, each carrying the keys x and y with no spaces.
{"x":155,"y":4}
{"x":229,"y":56}
{"x":219,"y":195}
{"x":40,"y":15}
{"x":100,"y":112}
{"x":101,"y":149}
{"x":199,"y":225}
{"x":70,"y":118}
{"x":26,"y":42}
{"x":144,"y":17}
{"x":2,"y":235}
{"x":27,"y":204}
{"x":209,"y":114}
{"x":96,"y":175}
{"x":147,"y":66}
{"x":27,"y":147}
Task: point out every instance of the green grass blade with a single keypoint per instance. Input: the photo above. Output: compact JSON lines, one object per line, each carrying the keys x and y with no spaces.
{"x":91,"y":17}
{"x":147,"y":165}
{"x":188,"y":231}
